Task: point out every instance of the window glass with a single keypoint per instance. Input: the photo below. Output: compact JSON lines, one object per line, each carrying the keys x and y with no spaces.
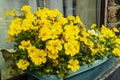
{"x":86,"y":9}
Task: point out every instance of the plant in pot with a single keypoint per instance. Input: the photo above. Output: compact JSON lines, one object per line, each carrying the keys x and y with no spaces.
{"x":46,"y":43}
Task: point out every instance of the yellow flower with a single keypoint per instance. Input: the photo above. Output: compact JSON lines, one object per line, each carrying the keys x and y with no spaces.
{"x":68,"y":36}
{"x":106,"y":32}
{"x":90,"y":43}
{"x":30,"y":17}
{"x":53,"y":14}
{"x":117,"y":41}
{"x":38,"y":56}
{"x":62,"y":21}
{"x":54,"y":45}
{"x":71,"y":32}
{"x":53,"y":34}
{"x":13,"y":29}
{"x":23,"y":64}
{"x":101,"y":48}
{"x":10,"y":13}
{"x":84,"y":33}
{"x":73,"y":65}
{"x":52,"y":55}
{"x":24,"y":44}
{"x":31,"y":50}
{"x":89,"y":60}
{"x":93,"y":26}
{"x":72,"y":18}
{"x":101,"y":38}
{"x":115,"y":30}
{"x":77,"y":20}
{"x":116,"y":52}
{"x":72,"y":48}
{"x":56,"y":30}
{"x":71,"y":28}
{"x":84,"y":39}
{"x":10,"y":38}
{"x":44,"y":33}
{"x":26,"y":8}
{"x":58,"y":13}
{"x":27,"y":25}
{"x":93,"y":51}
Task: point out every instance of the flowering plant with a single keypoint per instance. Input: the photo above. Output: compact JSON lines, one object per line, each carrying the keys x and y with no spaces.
{"x":48,"y":43}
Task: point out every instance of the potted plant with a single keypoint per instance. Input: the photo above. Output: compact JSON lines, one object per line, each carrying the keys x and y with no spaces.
{"x":46,"y":43}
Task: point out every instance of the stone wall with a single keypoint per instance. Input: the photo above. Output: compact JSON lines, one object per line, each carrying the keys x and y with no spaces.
{"x":113,"y":13}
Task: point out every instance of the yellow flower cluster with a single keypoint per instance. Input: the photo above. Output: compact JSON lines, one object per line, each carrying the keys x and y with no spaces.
{"x":37,"y":56}
{"x":110,"y":41}
{"x":23,"y":64}
{"x":59,"y":33}
{"x":107,"y":32}
{"x":116,"y":50}
{"x":49,"y":43}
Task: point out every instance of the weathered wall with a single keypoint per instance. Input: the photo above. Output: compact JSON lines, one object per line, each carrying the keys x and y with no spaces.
{"x":113,"y":14}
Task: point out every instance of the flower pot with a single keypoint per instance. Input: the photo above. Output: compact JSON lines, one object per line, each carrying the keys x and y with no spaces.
{"x":93,"y":72}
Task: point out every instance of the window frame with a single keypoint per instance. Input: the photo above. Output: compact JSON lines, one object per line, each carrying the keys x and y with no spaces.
{"x":101,"y":11}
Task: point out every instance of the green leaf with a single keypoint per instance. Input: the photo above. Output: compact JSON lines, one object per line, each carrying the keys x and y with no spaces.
{"x":61,"y":75}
